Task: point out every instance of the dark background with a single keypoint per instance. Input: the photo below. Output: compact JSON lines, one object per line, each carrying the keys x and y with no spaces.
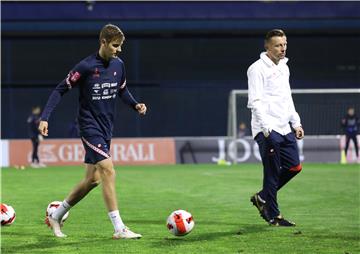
{"x":182,"y":59}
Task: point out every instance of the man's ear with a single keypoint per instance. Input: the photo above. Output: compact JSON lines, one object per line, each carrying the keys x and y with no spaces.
{"x":103,"y":41}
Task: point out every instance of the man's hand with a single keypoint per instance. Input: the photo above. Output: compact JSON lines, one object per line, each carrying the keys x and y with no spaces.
{"x":299,"y":132}
{"x":141,"y":108}
{"x":40,"y":137}
{"x":43,"y":128}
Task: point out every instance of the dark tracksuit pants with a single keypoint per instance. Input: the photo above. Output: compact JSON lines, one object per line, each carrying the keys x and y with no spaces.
{"x":351,"y":136}
{"x":280,"y":158}
{"x":35,"y":144}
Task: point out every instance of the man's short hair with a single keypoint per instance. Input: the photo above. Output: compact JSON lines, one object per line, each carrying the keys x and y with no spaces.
{"x":273,"y":33}
{"x":110,"y":32}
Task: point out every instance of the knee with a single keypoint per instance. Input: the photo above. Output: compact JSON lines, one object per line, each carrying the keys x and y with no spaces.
{"x":107,"y":171}
{"x":94,"y":183}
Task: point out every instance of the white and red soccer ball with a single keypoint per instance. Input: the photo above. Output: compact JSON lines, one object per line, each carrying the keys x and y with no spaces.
{"x":51,"y":208}
{"x":8,"y":215}
{"x":180,"y":223}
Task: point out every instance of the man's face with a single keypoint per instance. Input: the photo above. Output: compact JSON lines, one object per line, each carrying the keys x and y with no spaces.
{"x":351,"y":111}
{"x":276,"y":48}
{"x":112,"y":49}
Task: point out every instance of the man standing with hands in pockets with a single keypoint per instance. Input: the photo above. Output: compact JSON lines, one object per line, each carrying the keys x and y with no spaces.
{"x":272,"y":109}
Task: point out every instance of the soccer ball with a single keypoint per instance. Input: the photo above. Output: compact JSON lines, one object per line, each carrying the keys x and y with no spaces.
{"x":51,"y":208}
{"x":180,"y":223}
{"x":7,"y":215}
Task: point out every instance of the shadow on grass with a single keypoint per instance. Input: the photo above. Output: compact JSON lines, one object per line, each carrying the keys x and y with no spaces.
{"x":190,"y":239}
{"x":209,"y":236}
{"x":45,"y":243}
{"x":146,"y":222}
{"x":163,"y":222}
{"x":252,"y":229}
{"x":345,"y":237}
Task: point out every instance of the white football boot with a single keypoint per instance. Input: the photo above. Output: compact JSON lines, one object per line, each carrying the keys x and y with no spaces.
{"x":34,"y":165}
{"x":41,"y":165}
{"x":55,"y":226}
{"x":126,"y":233}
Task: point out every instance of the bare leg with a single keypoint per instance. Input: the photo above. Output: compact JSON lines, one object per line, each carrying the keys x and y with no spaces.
{"x":107,"y":175}
{"x":91,"y":180}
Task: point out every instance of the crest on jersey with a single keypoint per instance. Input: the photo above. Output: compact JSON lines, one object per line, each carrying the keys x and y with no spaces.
{"x":96,"y":73}
{"x":71,"y":78}
{"x":75,"y":76}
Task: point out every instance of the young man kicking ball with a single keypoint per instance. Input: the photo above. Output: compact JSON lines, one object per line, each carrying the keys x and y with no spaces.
{"x":100,"y":78}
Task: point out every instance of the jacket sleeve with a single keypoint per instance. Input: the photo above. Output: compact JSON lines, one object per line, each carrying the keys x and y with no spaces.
{"x":255,"y":99}
{"x":294,"y":116}
{"x":74,"y":77}
{"x":124,"y":92}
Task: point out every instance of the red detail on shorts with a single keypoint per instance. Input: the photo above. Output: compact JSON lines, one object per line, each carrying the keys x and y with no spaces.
{"x":180,"y":223}
{"x":95,"y":148}
{"x":297,"y":168}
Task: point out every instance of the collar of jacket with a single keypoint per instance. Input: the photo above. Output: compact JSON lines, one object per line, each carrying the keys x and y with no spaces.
{"x":269,"y":62}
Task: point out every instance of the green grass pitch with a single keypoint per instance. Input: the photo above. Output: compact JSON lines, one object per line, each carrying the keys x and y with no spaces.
{"x":323,"y":200}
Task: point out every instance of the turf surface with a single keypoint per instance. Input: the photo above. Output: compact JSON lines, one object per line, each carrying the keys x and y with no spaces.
{"x":323,"y":200}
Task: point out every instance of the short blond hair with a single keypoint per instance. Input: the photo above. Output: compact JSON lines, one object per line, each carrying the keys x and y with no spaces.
{"x":110,"y":32}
